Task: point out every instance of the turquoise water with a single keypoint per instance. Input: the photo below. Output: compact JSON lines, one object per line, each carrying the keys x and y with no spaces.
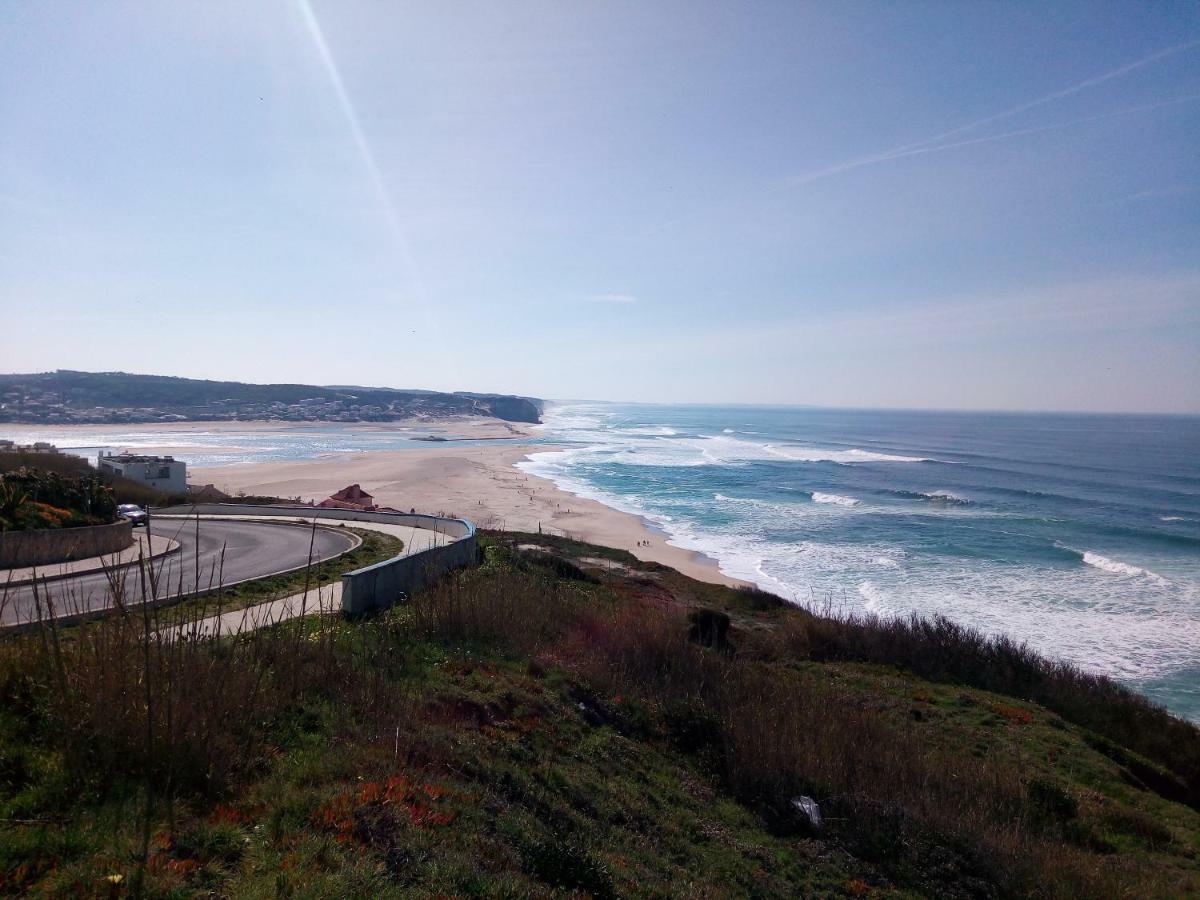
{"x":1077,"y":533}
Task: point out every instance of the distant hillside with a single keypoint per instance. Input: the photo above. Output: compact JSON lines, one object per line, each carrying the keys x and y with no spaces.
{"x":67,"y":397}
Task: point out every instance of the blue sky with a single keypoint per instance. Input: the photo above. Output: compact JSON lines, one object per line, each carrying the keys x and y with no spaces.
{"x":959,"y":205}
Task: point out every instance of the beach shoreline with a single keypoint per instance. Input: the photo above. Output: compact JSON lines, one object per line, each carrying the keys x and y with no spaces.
{"x":477,"y":482}
{"x":480,"y":483}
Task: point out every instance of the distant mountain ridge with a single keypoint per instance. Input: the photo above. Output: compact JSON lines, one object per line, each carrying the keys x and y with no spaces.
{"x":67,"y":397}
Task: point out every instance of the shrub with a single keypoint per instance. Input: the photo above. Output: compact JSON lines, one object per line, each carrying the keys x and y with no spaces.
{"x":941,"y":650}
{"x":31,"y":498}
{"x":567,"y":865}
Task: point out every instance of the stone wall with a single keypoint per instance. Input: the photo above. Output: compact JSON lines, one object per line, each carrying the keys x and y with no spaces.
{"x":56,"y":545}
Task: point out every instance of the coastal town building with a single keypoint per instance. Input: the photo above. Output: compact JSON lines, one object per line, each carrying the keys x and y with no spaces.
{"x":352,"y":497}
{"x":37,"y":447}
{"x":163,"y":473}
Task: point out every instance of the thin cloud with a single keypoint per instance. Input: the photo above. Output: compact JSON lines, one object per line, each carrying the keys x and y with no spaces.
{"x":920,"y":146}
{"x":611,"y":298}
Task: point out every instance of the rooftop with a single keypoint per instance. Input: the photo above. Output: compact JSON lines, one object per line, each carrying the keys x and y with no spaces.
{"x":135,"y":458}
{"x":353,"y":493}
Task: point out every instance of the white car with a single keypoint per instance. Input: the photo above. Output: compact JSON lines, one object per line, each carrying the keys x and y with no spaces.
{"x":133,"y":513}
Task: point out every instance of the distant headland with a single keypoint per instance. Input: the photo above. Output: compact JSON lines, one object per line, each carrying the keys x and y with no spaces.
{"x":66,"y":397}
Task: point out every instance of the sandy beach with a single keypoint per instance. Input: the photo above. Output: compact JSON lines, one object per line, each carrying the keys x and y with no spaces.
{"x":475,"y":482}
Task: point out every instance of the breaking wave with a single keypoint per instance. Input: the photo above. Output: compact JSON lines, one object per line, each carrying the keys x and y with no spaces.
{"x":874,"y":600}
{"x":1115,"y":567}
{"x":837,"y":499}
{"x":945,"y":497}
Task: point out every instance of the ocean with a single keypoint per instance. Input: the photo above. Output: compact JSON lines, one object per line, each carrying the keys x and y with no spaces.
{"x":1079,"y":534}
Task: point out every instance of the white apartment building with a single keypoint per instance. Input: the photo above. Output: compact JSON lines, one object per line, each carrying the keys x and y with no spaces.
{"x":163,"y":473}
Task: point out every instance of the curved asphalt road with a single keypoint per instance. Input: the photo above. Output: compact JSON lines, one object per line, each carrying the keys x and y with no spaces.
{"x":228,"y":551}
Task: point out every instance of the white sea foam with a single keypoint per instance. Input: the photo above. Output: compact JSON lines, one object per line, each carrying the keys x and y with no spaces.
{"x":872,"y":456}
{"x":1115,"y":567}
{"x":721,"y":450}
{"x":765,"y":511}
{"x":874,"y":600}
{"x":819,"y":497}
{"x":946,"y":497}
{"x":655,"y":454}
{"x":650,"y":430}
{"x":721,"y":498}
{"x":1172,"y":519}
{"x":661,"y":446}
{"x":845,"y":457}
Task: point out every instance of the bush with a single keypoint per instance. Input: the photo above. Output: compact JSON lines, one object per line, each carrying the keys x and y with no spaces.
{"x":31,"y":498}
{"x":941,"y":650}
{"x":567,"y":865}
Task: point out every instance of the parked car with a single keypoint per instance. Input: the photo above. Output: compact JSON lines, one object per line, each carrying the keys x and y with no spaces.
{"x":133,"y":513}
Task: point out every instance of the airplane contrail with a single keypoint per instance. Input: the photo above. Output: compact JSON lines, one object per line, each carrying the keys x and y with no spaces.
{"x":1130,"y":110}
{"x":905,"y":149}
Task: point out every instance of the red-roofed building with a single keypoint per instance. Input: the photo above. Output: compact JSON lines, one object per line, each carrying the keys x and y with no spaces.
{"x":340,"y":504}
{"x":354,"y":497}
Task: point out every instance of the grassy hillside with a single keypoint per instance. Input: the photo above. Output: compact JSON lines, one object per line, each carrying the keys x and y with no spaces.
{"x":565,"y":720}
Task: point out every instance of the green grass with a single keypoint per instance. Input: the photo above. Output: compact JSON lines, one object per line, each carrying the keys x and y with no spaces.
{"x":504,"y":788}
{"x":538,"y":726}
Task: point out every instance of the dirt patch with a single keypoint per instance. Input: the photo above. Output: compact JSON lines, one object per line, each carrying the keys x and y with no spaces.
{"x":614,"y":566}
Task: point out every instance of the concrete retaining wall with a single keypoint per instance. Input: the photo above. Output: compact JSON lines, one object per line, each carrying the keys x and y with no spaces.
{"x":383,"y":584}
{"x":55,"y":545}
